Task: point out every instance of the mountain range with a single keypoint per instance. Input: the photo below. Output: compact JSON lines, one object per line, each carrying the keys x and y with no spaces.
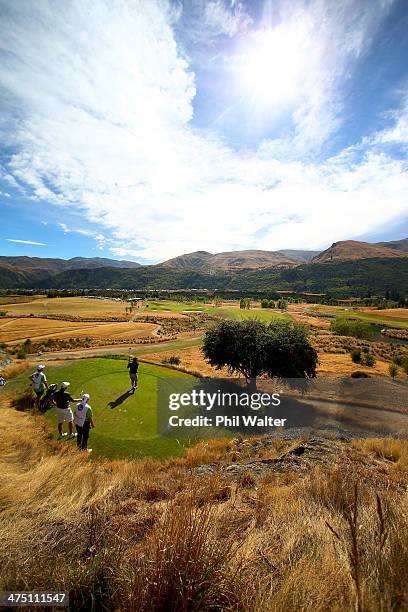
{"x":382,"y":265}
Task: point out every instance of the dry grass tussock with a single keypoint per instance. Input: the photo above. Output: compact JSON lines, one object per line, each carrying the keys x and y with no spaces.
{"x":150,"y":536}
{"x":14,"y":368}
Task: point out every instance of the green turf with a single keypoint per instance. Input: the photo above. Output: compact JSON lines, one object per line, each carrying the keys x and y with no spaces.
{"x":125,"y":425}
{"x":168,"y":305}
{"x":380,"y":319}
{"x":263,"y":314}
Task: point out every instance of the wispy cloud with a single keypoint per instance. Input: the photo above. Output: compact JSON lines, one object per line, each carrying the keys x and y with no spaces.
{"x":105,"y":126}
{"x":25,"y":242}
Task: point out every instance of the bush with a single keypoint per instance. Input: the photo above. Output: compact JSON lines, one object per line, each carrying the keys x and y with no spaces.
{"x":393,"y":370}
{"x":359,"y":374}
{"x":21,"y":353}
{"x":356,"y":355}
{"x":398,"y":360}
{"x":369,"y":360}
{"x":172,"y":360}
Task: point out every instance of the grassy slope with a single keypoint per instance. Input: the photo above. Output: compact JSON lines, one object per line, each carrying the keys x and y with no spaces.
{"x":129,"y":428}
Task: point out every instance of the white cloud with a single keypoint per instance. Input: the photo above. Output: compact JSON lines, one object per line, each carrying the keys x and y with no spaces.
{"x":25,"y":242}
{"x":104,"y":127}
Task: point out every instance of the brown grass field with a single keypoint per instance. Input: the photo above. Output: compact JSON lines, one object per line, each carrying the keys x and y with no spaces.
{"x":321,"y":530}
{"x":13,"y":331}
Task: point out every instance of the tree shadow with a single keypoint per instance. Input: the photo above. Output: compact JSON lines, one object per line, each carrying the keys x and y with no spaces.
{"x":119,"y":400}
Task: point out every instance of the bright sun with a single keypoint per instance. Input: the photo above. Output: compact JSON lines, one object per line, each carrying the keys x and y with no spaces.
{"x":272,"y":66}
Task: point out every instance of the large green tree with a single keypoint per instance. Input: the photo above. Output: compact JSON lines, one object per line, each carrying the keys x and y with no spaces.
{"x":252,"y":348}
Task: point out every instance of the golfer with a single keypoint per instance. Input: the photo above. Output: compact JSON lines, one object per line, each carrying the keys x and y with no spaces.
{"x":83,"y":423}
{"x":39,"y":383}
{"x":62,"y":400}
{"x":133,"y":367}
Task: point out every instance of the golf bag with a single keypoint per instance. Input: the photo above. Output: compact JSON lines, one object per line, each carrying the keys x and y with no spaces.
{"x":3,"y":381}
{"x":46,"y":401}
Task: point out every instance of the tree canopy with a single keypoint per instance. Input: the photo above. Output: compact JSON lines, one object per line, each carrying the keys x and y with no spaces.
{"x":252,"y":348}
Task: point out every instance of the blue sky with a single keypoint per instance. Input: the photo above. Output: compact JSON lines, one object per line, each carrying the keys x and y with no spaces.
{"x":143,"y":129}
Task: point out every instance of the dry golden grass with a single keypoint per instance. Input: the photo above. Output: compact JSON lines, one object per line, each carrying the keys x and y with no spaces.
{"x":84,"y":307}
{"x":334,"y":364}
{"x":192,"y":360}
{"x":400,"y":313}
{"x":14,"y":369}
{"x":150,"y":536}
{"x":15,"y":330}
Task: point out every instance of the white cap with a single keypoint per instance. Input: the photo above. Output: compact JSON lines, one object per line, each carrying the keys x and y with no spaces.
{"x":64,"y":385}
{"x":85,"y":397}
{"x":40,"y":367}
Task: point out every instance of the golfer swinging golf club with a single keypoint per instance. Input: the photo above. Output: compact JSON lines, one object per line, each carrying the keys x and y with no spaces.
{"x":133,"y":366}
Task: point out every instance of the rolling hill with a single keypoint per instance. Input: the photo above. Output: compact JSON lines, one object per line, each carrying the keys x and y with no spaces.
{"x":347,"y":268}
{"x":230,"y":260}
{"x":57,"y":265}
{"x":348,"y":250}
{"x":400,"y":245}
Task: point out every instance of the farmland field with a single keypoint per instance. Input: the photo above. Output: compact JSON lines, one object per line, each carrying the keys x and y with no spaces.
{"x":15,"y":330}
{"x":125,"y":424}
{"x":83,"y":307}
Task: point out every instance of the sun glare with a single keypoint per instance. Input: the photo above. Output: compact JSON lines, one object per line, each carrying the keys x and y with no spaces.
{"x":272,"y":65}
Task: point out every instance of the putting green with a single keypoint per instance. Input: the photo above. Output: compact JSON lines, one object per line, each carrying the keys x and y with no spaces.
{"x":125,"y":423}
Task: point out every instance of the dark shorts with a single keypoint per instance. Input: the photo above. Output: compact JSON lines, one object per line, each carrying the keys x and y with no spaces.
{"x":133,"y":377}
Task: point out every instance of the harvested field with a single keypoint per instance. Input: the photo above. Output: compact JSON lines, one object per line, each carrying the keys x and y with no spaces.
{"x":13,"y":331}
{"x":85,"y":307}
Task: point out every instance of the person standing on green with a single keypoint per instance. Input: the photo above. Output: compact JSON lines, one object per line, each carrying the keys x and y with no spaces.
{"x":83,"y":423}
{"x":39,"y":383}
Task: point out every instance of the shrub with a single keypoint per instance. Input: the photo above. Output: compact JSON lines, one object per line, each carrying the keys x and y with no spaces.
{"x":369,"y":360}
{"x":172,"y":360}
{"x":393,"y":370}
{"x":359,"y":374}
{"x":398,"y":360}
{"x":21,"y":353}
{"x":356,"y":355}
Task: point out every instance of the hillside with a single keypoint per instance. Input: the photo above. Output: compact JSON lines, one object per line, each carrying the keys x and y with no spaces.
{"x":346,"y":250}
{"x":341,"y":278}
{"x":188,"y":261}
{"x":400,"y":245}
{"x":298,"y":255}
{"x":54,"y":265}
{"x":230,"y":260}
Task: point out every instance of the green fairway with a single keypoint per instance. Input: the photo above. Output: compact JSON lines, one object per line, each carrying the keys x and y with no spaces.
{"x":263,"y":314}
{"x":125,"y":424}
{"x":380,"y":319}
{"x":168,"y":305}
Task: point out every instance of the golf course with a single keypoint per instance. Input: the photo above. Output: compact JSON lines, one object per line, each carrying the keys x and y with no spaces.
{"x":125,"y":423}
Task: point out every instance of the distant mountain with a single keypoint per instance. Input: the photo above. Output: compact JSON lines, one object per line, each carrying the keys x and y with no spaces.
{"x":339,"y":278}
{"x":188,"y":261}
{"x":400,"y":245}
{"x":229,"y":260}
{"x":303,"y":256}
{"x":348,"y":250}
{"x":58,"y":265}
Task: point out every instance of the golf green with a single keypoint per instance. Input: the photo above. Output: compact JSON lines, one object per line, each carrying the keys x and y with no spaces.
{"x":125,"y":423}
